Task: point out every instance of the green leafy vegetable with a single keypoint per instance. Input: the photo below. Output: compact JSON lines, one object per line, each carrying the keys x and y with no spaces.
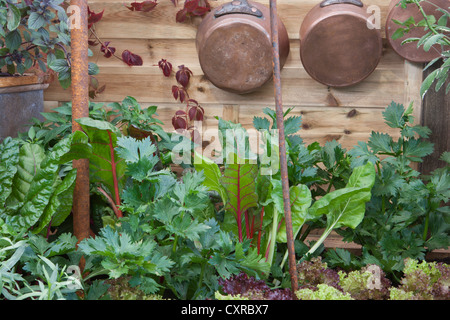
{"x":346,"y":206}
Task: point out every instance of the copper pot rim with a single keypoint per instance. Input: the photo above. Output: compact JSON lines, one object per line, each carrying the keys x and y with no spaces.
{"x":238,"y":20}
{"x":344,"y":9}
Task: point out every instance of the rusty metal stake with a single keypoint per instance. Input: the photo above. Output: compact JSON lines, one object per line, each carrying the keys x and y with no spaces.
{"x":80,"y":108}
{"x":282,"y":144}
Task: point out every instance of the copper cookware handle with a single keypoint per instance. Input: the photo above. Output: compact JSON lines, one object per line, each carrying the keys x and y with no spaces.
{"x":238,"y":6}
{"x":330,"y":2}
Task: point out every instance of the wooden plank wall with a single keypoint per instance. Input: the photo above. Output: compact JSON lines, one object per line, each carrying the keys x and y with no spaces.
{"x":347,"y":114}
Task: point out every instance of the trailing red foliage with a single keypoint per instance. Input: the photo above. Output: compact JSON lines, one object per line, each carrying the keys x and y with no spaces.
{"x":183,"y":75}
{"x":192,"y":8}
{"x":94,"y":17}
{"x":131,"y":59}
{"x":166,"y":67}
{"x":144,"y":6}
{"x":183,"y":119}
{"x":127,"y":56}
{"x":107,"y":51}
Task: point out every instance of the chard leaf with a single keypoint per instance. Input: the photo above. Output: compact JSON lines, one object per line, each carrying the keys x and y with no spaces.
{"x":345,"y":207}
{"x":105,"y":166}
{"x":36,"y":182}
{"x":239,"y":180}
{"x":338,"y":207}
{"x":301,"y":199}
{"x":42,"y":186}
{"x":60,"y":203}
{"x":9,"y":158}
{"x":362,"y":177}
{"x":30,"y":158}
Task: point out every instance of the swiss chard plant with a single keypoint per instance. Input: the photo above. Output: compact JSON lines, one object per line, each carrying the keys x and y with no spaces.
{"x":252,"y":197}
{"x":106,"y":168}
{"x":37,"y":184}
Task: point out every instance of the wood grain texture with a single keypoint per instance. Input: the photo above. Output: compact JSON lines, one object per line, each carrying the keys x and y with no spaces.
{"x":18,"y":81}
{"x":345,"y":114}
{"x":160,"y":23}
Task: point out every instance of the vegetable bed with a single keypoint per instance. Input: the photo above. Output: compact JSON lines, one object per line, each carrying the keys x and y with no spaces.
{"x":216,"y":228}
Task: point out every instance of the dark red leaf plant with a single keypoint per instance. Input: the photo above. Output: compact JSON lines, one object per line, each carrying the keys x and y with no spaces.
{"x":192,"y":8}
{"x":144,"y":6}
{"x":106,"y":49}
{"x":183,"y":119}
{"x":186,"y":120}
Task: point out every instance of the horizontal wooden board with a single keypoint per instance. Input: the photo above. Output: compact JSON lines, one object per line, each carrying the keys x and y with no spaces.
{"x":18,"y":81}
{"x":184,"y":52}
{"x":321,"y":124}
{"x":379,"y":89}
{"x":146,"y":82}
{"x":347,"y":115}
{"x":119,"y":22}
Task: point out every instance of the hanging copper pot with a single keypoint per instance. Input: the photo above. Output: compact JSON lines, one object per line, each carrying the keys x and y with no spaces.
{"x":234,"y":46}
{"x":410,"y":51}
{"x":339,"y":46}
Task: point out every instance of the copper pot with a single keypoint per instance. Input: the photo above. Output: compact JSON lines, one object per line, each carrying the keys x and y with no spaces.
{"x":338,"y":44}
{"x":234,"y":46}
{"x":410,"y":51}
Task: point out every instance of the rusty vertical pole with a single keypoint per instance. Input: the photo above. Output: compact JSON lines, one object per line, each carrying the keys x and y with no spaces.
{"x":282,"y":144}
{"x":80,"y":108}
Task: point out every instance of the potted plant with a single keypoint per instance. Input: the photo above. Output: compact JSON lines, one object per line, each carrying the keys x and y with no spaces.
{"x":34,"y":51}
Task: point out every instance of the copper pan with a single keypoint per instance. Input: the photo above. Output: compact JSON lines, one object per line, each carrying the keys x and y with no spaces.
{"x":339,"y":46}
{"x":234,"y":46}
{"x":410,"y":51}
